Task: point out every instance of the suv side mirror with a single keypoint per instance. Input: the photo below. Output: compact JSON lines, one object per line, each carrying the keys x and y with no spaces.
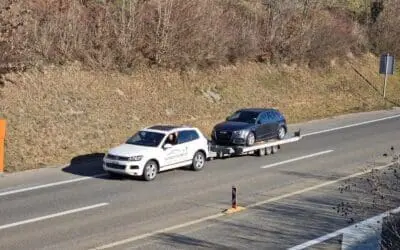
{"x":167,"y":146}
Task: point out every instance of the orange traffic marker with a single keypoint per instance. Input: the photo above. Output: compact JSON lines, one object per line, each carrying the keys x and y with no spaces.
{"x":2,"y":139}
{"x":234,"y":210}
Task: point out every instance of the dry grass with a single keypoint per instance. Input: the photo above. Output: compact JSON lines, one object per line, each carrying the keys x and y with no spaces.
{"x":55,"y":114}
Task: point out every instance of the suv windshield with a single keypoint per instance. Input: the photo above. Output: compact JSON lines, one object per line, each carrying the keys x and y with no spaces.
{"x":244,"y":116}
{"x":146,"y":138}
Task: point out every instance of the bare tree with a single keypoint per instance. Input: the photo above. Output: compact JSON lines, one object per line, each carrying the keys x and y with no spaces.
{"x":187,"y":33}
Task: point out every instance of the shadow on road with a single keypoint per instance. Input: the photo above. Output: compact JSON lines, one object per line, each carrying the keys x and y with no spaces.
{"x":86,"y":165}
{"x":309,"y":175}
{"x":172,"y":240}
{"x":90,"y":165}
{"x":270,"y":226}
{"x":289,"y":222}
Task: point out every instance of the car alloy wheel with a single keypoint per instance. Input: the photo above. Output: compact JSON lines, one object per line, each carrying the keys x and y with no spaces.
{"x":281,"y":133}
{"x":198,"y":161}
{"x":251,"y":139}
{"x":150,"y":171}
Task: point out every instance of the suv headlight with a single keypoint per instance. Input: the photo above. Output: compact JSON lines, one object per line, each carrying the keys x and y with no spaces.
{"x":240,"y":133}
{"x":135,"y":158}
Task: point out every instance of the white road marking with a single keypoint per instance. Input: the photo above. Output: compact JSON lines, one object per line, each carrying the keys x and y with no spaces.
{"x":298,"y":159}
{"x":352,"y":125}
{"x":52,"y":216}
{"x":277,"y":198}
{"x":357,"y":227}
{"x":49,"y":185}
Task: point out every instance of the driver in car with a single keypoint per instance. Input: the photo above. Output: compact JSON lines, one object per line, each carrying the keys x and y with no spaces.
{"x":172,"y":138}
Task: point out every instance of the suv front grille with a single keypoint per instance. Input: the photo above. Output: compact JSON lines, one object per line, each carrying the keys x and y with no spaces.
{"x":224,"y":135}
{"x":116,"y":166}
{"x":116,"y":157}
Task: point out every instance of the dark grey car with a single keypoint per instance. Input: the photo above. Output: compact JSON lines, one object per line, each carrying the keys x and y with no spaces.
{"x":248,"y":126}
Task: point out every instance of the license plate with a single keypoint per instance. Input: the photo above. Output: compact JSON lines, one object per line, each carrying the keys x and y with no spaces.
{"x":112,"y":162}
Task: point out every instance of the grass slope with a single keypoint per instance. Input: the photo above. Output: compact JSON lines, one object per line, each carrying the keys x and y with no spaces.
{"x":55,"y":114}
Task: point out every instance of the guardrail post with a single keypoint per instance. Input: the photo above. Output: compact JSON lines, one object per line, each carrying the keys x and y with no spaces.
{"x":2,"y":138}
{"x":234,"y":203}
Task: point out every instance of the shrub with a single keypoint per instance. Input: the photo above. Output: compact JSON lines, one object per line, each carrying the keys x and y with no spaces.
{"x":125,"y":34}
{"x":385,"y":33}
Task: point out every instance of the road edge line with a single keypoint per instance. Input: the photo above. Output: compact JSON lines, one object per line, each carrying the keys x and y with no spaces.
{"x":52,"y":184}
{"x":352,"y":125}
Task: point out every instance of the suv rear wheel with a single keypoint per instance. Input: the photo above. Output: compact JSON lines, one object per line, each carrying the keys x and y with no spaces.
{"x":199,"y":160}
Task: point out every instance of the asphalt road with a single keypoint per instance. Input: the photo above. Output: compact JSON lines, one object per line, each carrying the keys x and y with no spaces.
{"x":68,"y":208}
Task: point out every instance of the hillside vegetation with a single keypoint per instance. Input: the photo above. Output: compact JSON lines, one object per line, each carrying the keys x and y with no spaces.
{"x":182,"y":34}
{"x":80,"y":76}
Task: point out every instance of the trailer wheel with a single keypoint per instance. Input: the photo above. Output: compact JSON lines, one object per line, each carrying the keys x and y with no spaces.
{"x":261,"y":152}
{"x":275,"y":149}
{"x":268,"y":150}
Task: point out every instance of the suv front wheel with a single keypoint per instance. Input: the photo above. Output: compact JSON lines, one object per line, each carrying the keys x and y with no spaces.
{"x":150,"y":170}
{"x":251,"y":139}
{"x":281,"y":132}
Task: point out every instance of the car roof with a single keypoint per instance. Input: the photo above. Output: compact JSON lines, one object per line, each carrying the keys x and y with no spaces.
{"x":168,"y":128}
{"x":163,"y":127}
{"x":258,"y":110}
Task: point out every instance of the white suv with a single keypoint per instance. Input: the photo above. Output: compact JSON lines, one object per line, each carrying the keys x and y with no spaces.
{"x":156,"y":149}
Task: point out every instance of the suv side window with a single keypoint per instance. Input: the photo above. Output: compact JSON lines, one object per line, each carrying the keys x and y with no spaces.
{"x":271,"y":116}
{"x":187,"y":136}
{"x":277,"y":114}
{"x":263,"y":118}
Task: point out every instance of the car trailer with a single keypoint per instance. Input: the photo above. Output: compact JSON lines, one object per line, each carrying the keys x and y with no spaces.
{"x":260,"y":148}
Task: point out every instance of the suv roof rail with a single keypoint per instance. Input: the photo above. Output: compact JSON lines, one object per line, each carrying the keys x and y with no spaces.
{"x":160,"y":126}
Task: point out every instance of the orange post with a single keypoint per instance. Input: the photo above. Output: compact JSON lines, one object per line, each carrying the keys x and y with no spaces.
{"x":2,"y":138}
